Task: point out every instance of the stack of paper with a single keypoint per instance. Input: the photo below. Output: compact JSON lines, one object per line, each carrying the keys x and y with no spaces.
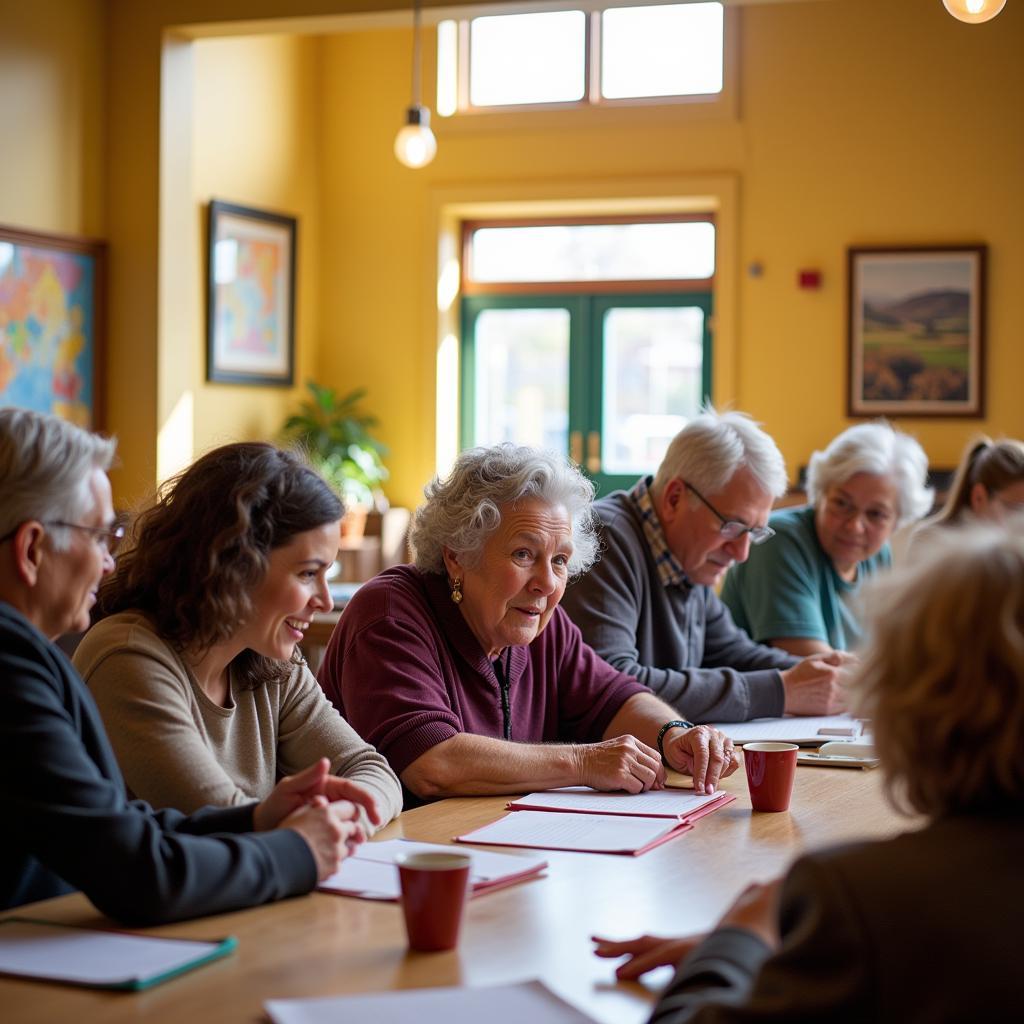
{"x":98,"y":959}
{"x":806,"y":732}
{"x":587,"y":821}
{"x":370,"y":873}
{"x":501,"y":1004}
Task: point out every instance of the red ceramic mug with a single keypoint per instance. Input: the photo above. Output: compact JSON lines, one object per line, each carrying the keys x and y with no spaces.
{"x":434,"y":889}
{"x":771,"y":768}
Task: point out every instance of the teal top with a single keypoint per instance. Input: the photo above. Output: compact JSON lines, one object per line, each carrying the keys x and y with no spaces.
{"x":788,"y":587}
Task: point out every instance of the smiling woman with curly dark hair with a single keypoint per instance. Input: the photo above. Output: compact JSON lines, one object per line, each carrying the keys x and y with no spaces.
{"x":196,"y":668}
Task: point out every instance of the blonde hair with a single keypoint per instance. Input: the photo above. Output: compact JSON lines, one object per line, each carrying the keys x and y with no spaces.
{"x":943,"y":673}
{"x":995,"y":465}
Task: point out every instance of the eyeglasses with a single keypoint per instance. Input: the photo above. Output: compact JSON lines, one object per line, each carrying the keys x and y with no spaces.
{"x":842,"y":508}
{"x":109,"y":537}
{"x":733,"y":529}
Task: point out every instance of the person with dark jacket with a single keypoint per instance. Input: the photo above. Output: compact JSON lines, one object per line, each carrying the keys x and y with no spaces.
{"x":70,"y":824}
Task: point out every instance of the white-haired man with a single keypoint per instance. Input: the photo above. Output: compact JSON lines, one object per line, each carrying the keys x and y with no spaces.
{"x":648,"y":606}
{"x":60,"y":787}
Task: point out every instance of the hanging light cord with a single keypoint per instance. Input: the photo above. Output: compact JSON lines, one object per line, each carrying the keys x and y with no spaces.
{"x":416,"y":53}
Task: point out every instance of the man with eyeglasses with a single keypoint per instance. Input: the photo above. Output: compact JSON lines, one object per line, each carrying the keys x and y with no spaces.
{"x":649,"y":607}
{"x":71,"y":825}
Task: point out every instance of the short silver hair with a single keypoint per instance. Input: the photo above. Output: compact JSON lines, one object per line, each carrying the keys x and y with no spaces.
{"x":881,"y":450}
{"x":709,"y":451}
{"x":465,"y":508}
{"x":45,"y":465}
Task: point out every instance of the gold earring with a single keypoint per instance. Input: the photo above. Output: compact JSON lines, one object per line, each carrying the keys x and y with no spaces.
{"x":457,"y":591}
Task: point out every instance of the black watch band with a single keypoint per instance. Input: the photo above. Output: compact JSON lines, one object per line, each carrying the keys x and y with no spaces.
{"x":681,"y":723}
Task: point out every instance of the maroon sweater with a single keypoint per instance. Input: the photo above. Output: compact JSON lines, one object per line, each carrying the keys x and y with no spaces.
{"x":406,"y":671}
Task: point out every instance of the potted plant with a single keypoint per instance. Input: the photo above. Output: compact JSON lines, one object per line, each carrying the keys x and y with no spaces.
{"x":336,"y":434}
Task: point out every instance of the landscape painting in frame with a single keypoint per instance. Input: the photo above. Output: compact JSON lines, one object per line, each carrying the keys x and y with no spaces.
{"x":251,"y":296}
{"x":51,"y":325}
{"x":916,"y":331}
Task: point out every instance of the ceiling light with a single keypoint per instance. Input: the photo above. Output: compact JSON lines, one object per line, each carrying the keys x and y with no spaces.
{"x":974,"y":12}
{"x":415,"y":144}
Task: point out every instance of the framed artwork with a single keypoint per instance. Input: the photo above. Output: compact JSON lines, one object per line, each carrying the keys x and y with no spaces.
{"x":917,"y":331}
{"x":250,"y":317}
{"x":51,"y":325}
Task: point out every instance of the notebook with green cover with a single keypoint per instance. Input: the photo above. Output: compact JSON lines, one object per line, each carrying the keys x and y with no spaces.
{"x":47,"y":951}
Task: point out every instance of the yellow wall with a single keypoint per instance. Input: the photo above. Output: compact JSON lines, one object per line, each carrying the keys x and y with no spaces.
{"x":254,"y":143}
{"x":51,"y":115}
{"x":860,"y":122}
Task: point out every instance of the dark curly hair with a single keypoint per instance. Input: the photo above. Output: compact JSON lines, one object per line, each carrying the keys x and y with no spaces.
{"x":198,"y":552}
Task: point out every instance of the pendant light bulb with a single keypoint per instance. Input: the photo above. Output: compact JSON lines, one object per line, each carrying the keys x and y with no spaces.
{"x":974,"y":12}
{"x":415,"y":144}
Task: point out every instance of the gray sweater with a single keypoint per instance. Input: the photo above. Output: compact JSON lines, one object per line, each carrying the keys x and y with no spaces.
{"x":678,"y":640}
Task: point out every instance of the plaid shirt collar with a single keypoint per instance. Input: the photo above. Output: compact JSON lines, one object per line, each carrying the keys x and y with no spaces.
{"x":669,"y":570}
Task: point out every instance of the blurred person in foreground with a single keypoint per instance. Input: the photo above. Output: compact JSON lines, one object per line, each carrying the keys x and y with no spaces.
{"x":61,"y":793}
{"x":800,"y":592}
{"x":464,"y":672}
{"x":196,"y":669}
{"x":649,"y":607}
{"x":915,"y":927}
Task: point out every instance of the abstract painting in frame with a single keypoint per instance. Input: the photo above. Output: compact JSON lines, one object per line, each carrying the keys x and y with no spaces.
{"x":917,"y":331}
{"x":250,"y":332}
{"x":51,"y":325}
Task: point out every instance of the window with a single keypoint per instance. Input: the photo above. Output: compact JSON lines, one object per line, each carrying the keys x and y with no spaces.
{"x":592,"y":338}
{"x":575,"y":58}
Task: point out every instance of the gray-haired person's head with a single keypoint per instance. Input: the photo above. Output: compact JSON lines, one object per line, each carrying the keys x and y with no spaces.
{"x":465,"y":508}
{"x":709,"y":451}
{"x":880,"y":450}
{"x":45,"y":465}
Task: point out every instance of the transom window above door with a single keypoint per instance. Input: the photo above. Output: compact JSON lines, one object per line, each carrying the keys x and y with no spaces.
{"x":592,"y":338}
{"x":575,"y":57}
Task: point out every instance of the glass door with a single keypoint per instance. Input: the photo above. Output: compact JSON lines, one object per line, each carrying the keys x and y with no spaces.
{"x":609,"y":379}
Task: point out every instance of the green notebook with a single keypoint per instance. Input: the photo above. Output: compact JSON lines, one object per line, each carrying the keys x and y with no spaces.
{"x":46,"y":951}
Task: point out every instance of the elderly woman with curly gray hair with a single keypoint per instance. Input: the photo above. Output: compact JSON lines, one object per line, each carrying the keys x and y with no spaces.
{"x":464,"y":672}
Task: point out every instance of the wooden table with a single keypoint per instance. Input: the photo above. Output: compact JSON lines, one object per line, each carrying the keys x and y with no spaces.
{"x":324,"y":944}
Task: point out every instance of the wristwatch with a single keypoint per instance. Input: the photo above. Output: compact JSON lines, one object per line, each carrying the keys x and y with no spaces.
{"x":682,"y":724}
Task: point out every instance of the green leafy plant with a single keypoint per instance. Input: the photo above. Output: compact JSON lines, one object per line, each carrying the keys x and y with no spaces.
{"x":336,"y":434}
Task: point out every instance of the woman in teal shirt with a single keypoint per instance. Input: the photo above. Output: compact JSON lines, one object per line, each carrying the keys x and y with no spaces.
{"x":798,"y":591}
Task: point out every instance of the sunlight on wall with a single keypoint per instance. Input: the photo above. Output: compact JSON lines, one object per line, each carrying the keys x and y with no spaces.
{"x":447,"y":438}
{"x":175,"y":439}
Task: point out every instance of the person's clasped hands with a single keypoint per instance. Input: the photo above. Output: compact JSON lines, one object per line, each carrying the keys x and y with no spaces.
{"x":322,"y":808}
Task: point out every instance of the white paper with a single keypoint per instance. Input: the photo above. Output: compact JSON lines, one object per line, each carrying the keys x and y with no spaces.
{"x":558,"y":830}
{"x":502,"y":1004}
{"x":91,"y":957}
{"x":807,"y":731}
{"x":371,"y":873}
{"x":662,"y":803}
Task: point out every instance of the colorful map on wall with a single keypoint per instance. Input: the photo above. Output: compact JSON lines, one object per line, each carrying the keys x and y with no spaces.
{"x":47,"y":330}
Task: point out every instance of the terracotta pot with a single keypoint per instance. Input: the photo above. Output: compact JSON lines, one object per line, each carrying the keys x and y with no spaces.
{"x":353,"y":523}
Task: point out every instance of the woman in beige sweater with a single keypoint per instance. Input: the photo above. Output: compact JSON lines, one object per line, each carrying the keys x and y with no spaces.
{"x":196,"y":668}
